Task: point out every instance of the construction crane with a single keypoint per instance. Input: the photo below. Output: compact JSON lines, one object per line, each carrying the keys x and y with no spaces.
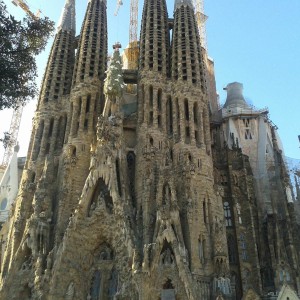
{"x":23,"y":4}
{"x":17,"y":113}
{"x":201,"y":19}
{"x":132,"y":51}
{"x":119,"y":3}
{"x":12,"y":135}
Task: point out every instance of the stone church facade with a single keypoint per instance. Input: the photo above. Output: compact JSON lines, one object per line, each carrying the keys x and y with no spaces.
{"x":136,"y":184}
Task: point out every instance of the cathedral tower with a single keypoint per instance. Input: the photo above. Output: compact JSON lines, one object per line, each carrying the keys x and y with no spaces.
{"x":125,"y":195}
{"x":86,"y":103}
{"x":31,"y":236}
{"x":178,"y":213}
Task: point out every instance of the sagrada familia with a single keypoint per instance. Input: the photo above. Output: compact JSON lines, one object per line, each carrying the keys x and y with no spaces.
{"x":138,"y":185}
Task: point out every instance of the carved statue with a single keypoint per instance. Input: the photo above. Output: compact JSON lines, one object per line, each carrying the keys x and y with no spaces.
{"x":167,"y":258}
{"x":70,"y":291}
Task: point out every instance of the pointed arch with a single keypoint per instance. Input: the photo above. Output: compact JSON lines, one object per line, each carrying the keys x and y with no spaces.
{"x":101,"y":195}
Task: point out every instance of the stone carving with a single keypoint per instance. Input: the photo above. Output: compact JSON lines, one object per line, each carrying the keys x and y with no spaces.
{"x":70,"y":291}
{"x":167,"y":258}
{"x":105,"y":254}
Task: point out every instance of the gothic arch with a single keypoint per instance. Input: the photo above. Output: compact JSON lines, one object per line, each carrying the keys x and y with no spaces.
{"x":100,"y":196}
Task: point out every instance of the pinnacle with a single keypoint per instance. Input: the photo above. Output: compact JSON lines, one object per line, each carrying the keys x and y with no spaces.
{"x":67,"y":19}
{"x":114,"y":81}
{"x":183,"y":2}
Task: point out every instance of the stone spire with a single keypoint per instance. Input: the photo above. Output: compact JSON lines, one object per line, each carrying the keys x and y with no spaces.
{"x":91,"y":55}
{"x":154,"y":40}
{"x":187,"y":60}
{"x":235,"y":95}
{"x":68,"y":17}
{"x":58,"y":75}
{"x":183,"y":2}
{"x":86,"y":104}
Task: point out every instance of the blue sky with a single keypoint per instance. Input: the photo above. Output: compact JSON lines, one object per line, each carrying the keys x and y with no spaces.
{"x":253,"y":42}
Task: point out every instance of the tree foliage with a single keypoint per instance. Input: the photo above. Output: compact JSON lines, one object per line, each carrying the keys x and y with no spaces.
{"x":20,"y":42}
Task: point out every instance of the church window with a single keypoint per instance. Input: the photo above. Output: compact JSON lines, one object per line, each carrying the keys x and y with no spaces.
{"x":151,"y":117}
{"x":227,"y":214}
{"x":246,"y":122}
{"x":131,"y":175}
{"x":88,"y":102}
{"x":86,"y":123}
{"x":248,"y":135}
{"x":171,"y":155}
{"x":73,"y":151}
{"x":204,"y":212}
{"x":159,"y":121}
{"x":169,"y":116}
{"x":151,"y":96}
{"x":187,"y":135}
{"x":51,"y":127}
{"x":281,"y":275}
{"x":3,"y":204}
{"x":113,"y":284}
{"x":243,"y":246}
{"x":159,"y":97}
{"x":244,"y":255}
{"x":238,"y":209}
{"x":201,"y":249}
{"x":95,"y":291}
{"x":186,"y":109}
{"x":231,"y":250}
{"x":195,"y":111}
{"x":32,"y":179}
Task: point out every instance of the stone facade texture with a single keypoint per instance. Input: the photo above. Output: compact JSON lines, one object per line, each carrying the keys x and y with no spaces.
{"x":149,"y":192}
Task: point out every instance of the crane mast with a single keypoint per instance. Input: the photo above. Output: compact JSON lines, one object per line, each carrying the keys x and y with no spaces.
{"x":13,"y":135}
{"x":17,"y":113}
{"x":132,"y":51}
{"x":134,"y":9}
{"x":23,"y":4}
{"x":119,"y":3}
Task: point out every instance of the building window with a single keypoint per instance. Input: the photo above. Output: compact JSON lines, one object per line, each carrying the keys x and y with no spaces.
{"x":3,"y":204}
{"x":243,"y":247}
{"x":231,"y":250}
{"x":248,"y":135}
{"x":246,"y":122}
{"x":227,"y":214}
